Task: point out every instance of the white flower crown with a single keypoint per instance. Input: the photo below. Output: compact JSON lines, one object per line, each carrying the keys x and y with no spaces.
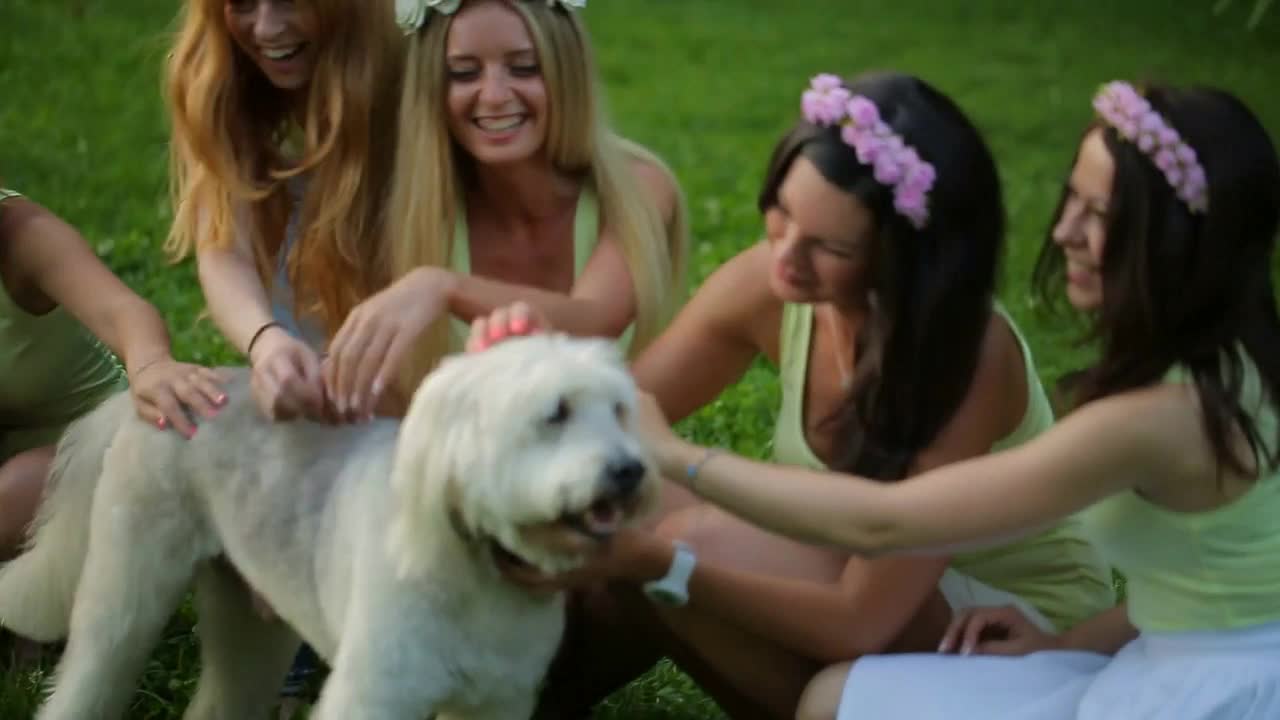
{"x":411,"y":15}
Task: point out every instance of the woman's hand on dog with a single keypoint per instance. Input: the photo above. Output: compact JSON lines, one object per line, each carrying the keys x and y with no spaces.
{"x":514,"y":320}
{"x":995,"y":631}
{"x":367,"y":351}
{"x":632,"y":554}
{"x":287,"y":382}
{"x":165,"y":391}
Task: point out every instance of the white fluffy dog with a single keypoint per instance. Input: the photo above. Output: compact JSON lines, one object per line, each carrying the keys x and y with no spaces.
{"x":379,"y":544}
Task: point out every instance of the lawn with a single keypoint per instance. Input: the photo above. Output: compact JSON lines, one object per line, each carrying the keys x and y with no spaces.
{"x":709,"y":84}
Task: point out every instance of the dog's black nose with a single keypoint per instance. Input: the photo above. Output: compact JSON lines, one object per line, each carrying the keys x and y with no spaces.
{"x":625,"y":475}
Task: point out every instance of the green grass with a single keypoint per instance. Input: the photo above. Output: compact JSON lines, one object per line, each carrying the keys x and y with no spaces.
{"x":709,"y":84}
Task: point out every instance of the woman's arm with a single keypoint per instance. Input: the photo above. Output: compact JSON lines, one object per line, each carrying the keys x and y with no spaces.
{"x":53,"y":258}
{"x":863,"y":612}
{"x":233,"y":290}
{"x":731,"y":319}
{"x":874,"y":600}
{"x":602,"y":302}
{"x":287,"y":380}
{"x":1101,"y":449}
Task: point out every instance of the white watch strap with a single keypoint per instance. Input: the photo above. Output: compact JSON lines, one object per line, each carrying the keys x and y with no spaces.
{"x":673,"y":588}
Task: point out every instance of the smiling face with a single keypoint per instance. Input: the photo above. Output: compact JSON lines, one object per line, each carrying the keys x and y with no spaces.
{"x":821,"y":237}
{"x":1080,"y":230}
{"x":278,"y":36}
{"x":497,"y":100}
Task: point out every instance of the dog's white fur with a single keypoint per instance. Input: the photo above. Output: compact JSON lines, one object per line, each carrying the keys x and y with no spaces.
{"x":375,"y":543}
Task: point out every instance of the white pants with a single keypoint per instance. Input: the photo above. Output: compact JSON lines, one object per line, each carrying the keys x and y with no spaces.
{"x":1211,"y":675}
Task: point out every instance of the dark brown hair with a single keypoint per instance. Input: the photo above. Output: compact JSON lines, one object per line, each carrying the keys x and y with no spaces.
{"x":1191,"y":290}
{"x":918,"y":351}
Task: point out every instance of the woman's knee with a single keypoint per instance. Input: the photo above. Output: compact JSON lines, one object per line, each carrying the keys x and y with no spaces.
{"x":821,"y":698}
{"x":22,"y":480}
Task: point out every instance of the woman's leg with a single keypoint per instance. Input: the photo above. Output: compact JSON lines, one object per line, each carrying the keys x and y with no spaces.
{"x":22,"y":480}
{"x":821,"y":699}
{"x":747,"y":669}
{"x":616,"y":634}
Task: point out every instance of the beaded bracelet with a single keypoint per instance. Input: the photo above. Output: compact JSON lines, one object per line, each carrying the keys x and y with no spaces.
{"x":692,"y":469}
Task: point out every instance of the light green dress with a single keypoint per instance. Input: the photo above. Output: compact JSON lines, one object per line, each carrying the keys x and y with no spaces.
{"x":1057,"y":571}
{"x":586,"y":235}
{"x":1215,"y":570}
{"x":52,"y":370}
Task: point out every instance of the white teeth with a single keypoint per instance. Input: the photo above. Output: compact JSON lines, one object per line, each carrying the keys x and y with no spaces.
{"x":280,"y":53}
{"x":499,"y":124}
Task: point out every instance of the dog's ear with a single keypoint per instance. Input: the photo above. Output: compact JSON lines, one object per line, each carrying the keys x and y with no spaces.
{"x":431,"y":436}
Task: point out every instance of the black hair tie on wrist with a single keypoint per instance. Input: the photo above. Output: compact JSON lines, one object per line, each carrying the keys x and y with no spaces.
{"x":248,"y":353}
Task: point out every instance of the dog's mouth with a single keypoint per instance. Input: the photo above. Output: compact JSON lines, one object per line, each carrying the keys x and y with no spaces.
{"x":504,"y":559}
{"x":573,"y":533}
{"x":602,"y":518}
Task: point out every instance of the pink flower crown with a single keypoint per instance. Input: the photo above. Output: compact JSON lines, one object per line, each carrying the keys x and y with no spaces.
{"x":1132,"y":116}
{"x":894,"y":164}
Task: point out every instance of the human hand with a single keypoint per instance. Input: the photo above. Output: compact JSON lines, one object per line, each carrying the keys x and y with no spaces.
{"x":632,"y":554}
{"x":286,"y":379}
{"x":367,"y":350}
{"x":995,"y":631}
{"x":516,"y":319}
{"x":164,"y":390}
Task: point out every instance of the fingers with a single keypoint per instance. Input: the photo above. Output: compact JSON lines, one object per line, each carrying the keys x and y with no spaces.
{"x":392,"y":361}
{"x":951,"y":638}
{"x":972,"y":635}
{"x":199,"y":390}
{"x":269,"y":393}
{"x":988,"y":630}
{"x":478,"y":339}
{"x":172,"y":392}
{"x":372,"y":368}
{"x":306,"y":382}
{"x":516,"y":319}
{"x":288,"y":381}
{"x":339,"y":368}
{"x":166,"y":404}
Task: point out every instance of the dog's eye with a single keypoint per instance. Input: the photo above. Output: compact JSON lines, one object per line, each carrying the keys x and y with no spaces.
{"x":561,"y":414}
{"x":620,"y":411}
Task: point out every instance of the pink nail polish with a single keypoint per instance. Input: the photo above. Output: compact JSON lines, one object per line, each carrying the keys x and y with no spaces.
{"x":160,"y":423}
{"x":520,"y":325}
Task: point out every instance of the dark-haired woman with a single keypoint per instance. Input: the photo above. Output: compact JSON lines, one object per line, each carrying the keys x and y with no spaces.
{"x":1164,"y":236}
{"x":873,"y":294}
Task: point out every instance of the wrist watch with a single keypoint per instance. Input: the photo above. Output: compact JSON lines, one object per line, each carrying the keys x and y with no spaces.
{"x":672,"y":589}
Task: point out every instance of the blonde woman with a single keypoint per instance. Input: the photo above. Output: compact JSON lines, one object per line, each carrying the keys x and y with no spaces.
{"x":509,"y":185}
{"x":280,"y":115}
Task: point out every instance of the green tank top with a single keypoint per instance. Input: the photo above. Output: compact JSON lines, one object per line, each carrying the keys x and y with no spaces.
{"x":1212,"y":570}
{"x":1057,"y":571}
{"x":52,"y":370}
{"x":586,"y":234}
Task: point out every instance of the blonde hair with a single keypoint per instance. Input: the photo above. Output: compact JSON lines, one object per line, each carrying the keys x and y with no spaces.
{"x":231,"y":129}
{"x":427,"y":194}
